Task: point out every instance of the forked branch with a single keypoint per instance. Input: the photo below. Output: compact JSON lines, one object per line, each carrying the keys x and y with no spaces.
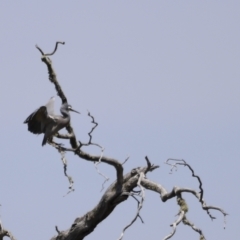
{"x":49,"y":54}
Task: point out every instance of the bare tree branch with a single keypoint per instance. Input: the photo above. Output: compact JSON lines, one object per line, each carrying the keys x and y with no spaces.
{"x":187,"y":222}
{"x":140,"y":204}
{"x":123,"y":186}
{"x":200,"y":195}
{"x":175,"y":191}
{"x":64,"y":161}
{"x":111,"y":198}
{"x":125,"y":160}
{"x":49,"y":54}
{"x":174,"y":225}
{"x":183,"y":162}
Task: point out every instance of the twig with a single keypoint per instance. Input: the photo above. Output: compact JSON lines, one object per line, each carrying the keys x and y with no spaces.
{"x":99,"y":172}
{"x":56,"y":227}
{"x":64,"y":161}
{"x":184,"y":163}
{"x":94,"y":144}
{"x":174,"y":225}
{"x":49,"y":54}
{"x":39,"y":49}
{"x":55,"y":49}
{"x":70,"y":180}
{"x":187,"y":222}
{"x":150,"y":167}
{"x":90,"y":135}
{"x":140,"y":204}
{"x":126,"y":160}
{"x":93,"y":128}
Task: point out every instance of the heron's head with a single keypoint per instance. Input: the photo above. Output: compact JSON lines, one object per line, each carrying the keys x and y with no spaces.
{"x":69,"y":108}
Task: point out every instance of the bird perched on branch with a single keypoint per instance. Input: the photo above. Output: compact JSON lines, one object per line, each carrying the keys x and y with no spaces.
{"x":43,"y":120}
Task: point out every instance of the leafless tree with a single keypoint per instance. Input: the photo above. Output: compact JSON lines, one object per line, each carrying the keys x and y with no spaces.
{"x":133,"y":184}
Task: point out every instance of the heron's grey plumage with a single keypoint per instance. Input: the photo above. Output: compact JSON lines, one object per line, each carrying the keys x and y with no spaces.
{"x":43,"y":120}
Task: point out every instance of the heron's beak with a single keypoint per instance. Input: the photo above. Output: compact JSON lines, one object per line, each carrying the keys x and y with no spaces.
{"x":74,"y":111}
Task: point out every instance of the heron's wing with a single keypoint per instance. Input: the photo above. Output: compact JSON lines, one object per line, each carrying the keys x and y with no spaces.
{"x":38,"y":120}
{"x":50,"y":106}
{"x":35,"y":119}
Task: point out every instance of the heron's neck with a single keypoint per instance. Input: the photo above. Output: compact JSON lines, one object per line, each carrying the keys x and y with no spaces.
{"x":65,"y":114}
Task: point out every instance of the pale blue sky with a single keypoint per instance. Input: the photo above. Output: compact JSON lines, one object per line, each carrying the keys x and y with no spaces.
{"x":161,"y":78}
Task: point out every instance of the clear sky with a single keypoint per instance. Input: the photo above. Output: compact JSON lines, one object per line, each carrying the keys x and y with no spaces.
{"x":161,"y":78}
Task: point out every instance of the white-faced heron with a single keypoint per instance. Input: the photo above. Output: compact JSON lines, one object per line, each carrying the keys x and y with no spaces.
{"x":43,"y":120}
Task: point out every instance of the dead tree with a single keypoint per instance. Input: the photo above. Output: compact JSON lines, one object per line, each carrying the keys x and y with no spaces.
{"x":122,"y":188}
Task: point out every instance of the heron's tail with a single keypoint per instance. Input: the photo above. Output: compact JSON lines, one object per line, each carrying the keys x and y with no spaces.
{"x":44,"y":140}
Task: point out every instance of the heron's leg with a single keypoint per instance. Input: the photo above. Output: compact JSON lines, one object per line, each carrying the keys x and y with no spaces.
{"x":51,"y":142}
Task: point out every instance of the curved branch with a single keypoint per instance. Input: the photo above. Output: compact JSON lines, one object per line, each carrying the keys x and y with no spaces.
{"x":49,"y":54}
{"x":184,"y":163}
{"x":93,"y":158}
{"x":111,"y":161}
{"x":175,"y":191}
{"x":112,"y":197}
{"x":93,"y":128}
{"x":200,"y":195}
{"x":40,"y":50}
{"x":55,"y":49}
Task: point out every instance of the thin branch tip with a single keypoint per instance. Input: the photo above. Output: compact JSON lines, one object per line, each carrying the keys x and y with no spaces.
{"x":49,"y":54}
{"x":40,"y":50}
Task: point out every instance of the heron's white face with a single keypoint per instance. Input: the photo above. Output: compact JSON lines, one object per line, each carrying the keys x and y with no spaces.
{"x":69,"y":107}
